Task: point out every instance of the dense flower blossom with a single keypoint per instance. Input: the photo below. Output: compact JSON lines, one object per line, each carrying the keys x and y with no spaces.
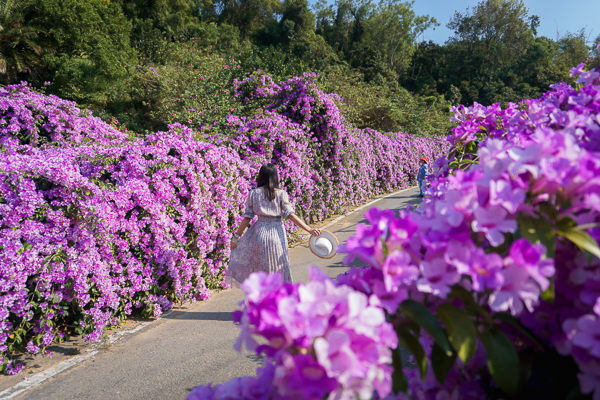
{"x":322,"y":339}
{"x":329,"y":164}
{"x":93,"y":217}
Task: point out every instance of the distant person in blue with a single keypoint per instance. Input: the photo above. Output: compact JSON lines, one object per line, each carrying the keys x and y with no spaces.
{"x":423,"y":172}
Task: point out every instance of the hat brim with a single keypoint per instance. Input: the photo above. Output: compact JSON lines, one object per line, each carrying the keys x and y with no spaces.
{"x":331,"y":237}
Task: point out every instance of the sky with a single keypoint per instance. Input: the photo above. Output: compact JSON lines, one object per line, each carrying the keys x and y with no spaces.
{"x":560,"y":16}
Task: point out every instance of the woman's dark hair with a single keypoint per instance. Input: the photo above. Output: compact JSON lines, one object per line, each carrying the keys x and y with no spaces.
{"x":268,"y":179}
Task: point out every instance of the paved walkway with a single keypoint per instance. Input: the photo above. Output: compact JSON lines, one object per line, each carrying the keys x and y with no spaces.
{"x":169,"y":357}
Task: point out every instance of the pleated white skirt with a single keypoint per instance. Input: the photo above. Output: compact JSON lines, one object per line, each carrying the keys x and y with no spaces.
{"x":264,"y":247}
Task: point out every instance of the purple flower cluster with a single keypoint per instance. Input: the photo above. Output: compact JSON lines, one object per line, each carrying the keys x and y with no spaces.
{"x":321,"y":339}
{"x":509,"y":229}
{"x":95,"y":223}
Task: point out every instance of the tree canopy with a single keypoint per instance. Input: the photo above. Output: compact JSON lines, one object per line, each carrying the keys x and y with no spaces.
{"x":88,"y":49}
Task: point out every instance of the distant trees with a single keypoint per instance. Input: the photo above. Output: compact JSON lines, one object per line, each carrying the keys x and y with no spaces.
{"x":377,"y":39}
{"x":89,"y":48}
{"x":495,"y":32}
{"x":92,"y":46}
{"x":494,"y":56}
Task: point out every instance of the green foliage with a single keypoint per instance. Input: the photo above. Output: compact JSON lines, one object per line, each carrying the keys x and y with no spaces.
{"x":494,"y":56}
{"x":388,"y":108}
{"x":455,"y":336}
{"x":502,"y":359}
{"x":92,"y":51}
{"x":170,"y":18}
{"x":20,"y":49}
{"x":461,"y":330}
{"x":425,"y":319}
{"x":196,"y":91}
{"x":91,"y":38}
{"x":376,"y":39}
{"x":495,"y":31}
{"x":410,"y":342}
{"x":196,"y":87}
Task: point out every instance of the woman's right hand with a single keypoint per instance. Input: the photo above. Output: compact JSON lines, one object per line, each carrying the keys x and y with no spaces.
{"x":315,"y":232}
{"x":234,"y":243}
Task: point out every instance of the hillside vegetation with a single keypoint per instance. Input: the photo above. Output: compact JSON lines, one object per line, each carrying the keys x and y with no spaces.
{"x":131,"y":60}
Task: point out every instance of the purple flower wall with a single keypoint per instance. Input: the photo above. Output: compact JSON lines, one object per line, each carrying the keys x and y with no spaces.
{"x":95,"y":223}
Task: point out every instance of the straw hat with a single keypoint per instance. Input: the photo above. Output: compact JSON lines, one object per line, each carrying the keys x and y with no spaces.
{"x":324,"y":245}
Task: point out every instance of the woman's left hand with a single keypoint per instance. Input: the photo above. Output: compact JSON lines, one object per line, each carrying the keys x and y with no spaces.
{"x":234,"y":243}
{"x":315,"y":232}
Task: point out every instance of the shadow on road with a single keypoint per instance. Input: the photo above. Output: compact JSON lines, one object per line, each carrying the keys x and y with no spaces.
{"x":340,"y":264}
{"x":201,"y":316}
{"x":410,"y":199}
{"x":405,"y":199}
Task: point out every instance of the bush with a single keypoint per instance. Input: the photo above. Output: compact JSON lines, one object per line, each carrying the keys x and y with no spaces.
{"x":96,"y":223}
{"x":330,"y":166}
{"x":193,"y":85}
{"x":387,"y":107}
{"x":493,"y":283}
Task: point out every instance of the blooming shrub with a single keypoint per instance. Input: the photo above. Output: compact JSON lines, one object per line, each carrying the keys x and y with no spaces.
{"x":193,"y":85}
{"x":327,"y":164}
{"x":91,"y":231}
{"x":96,"y":222}
{"x":492,"y":284}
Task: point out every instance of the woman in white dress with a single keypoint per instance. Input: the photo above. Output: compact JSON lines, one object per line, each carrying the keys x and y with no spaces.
{"x":265,"y":246}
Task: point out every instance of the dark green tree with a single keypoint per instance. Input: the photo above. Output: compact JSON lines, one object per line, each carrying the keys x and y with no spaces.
{"x":92,"y":43}
{"x":594,"y":62}
{"x":394,"y":28}
{"x":249,"y":16}
{"x":154,"y":20}
{"x":21,"y":49}
{"x":572,"y":49}
{"x":377,"y":39}
{"x":496,"y":30}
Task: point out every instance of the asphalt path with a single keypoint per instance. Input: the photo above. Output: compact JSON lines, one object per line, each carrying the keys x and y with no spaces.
{"x":187,"y":348}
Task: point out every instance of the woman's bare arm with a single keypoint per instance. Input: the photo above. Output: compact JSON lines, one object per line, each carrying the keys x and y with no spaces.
{"x":300,"y":224}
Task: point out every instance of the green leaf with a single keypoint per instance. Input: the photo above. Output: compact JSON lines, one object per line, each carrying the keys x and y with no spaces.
{"x":399,"y":383}
{"x":550,"y":210}
{"x":502,"y":359}
{"x":509,"y":319}
{"x":461,"y":331}
{"x":459,"y":292}
{"x":538,"y":230}
{"x":441,"y":363}
{"x":411,"y":343}
{"x":471,"y":148}
{"x":549,"y":294}
{"x":422,"y":316}
{"x":582,"y":239}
